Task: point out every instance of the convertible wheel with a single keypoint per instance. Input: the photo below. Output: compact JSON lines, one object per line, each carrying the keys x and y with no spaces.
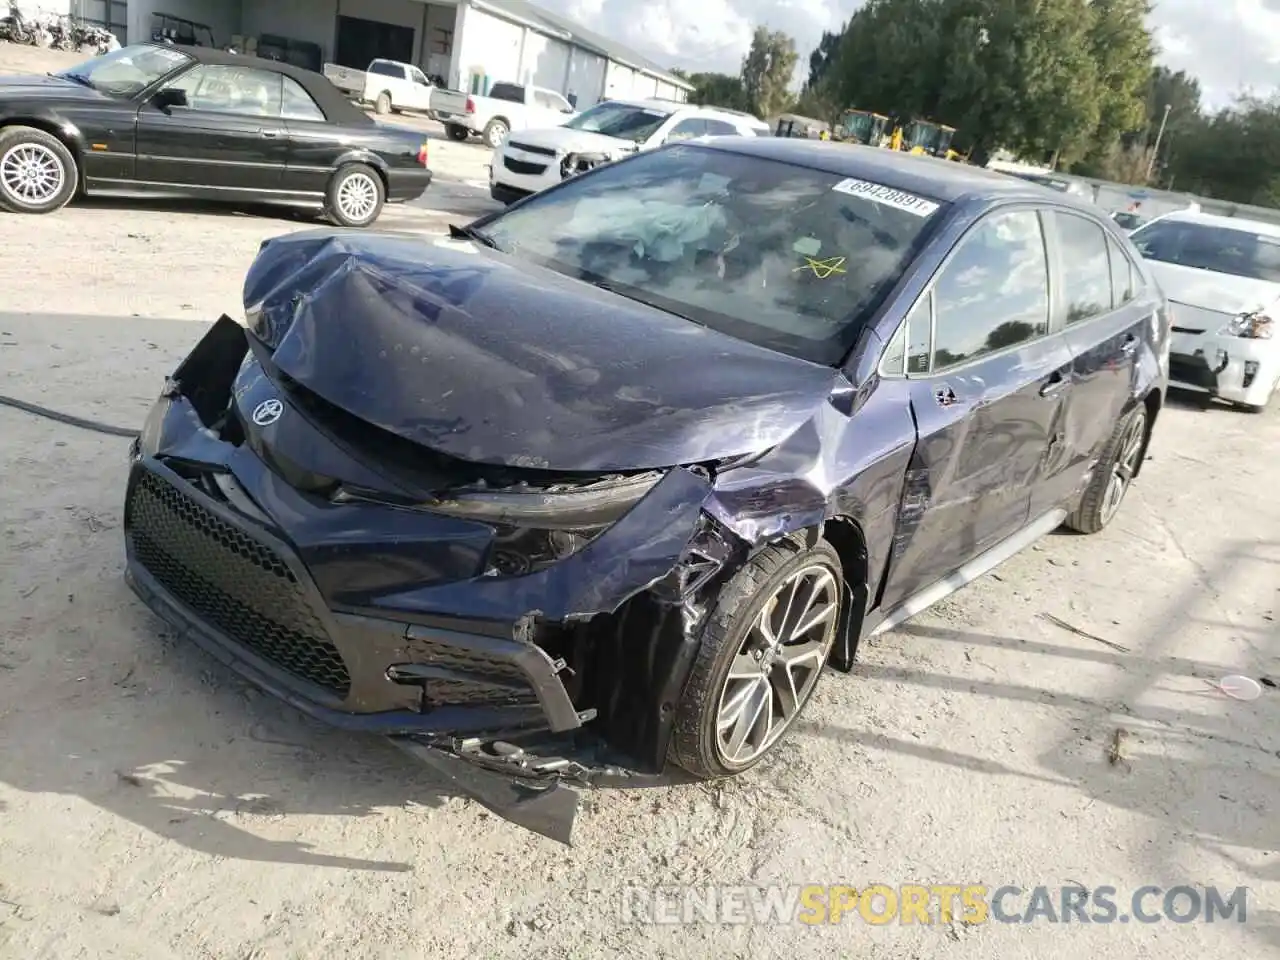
{"x":355,"y":196}
{"x":38,"y":174}
{"x":760,"y":658}
{"x":1114,"y":473}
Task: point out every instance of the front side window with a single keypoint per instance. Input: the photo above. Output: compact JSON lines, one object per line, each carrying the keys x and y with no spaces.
{"x":688,"y":129}
{"x":786,"y":257}
{"x":1236,"y":251}
{"x":719,"y":128}
{"x":236,"y":90}
{"x":1086,"y":267}
{"x":127,"y":71}
{"x":1123,"y":275}
{"x":994,"y":292}
{"x":620,"y":120}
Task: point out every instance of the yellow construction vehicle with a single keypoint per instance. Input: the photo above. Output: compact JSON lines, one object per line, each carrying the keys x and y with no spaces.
{"x":865,"y":127}
{"x":924,"y":137}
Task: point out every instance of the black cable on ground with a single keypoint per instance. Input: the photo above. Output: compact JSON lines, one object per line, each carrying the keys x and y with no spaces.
{"x":96,"y":426}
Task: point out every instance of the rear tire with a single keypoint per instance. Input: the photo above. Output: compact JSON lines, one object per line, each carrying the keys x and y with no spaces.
{"x":383,"y":104}
{"x":496,"y":133}
{"x":456,"y":132}
{"x":1114,"y":473}
{"x":355,"y":196}
{"x":38,"y":174}
{"x":753,"y":607}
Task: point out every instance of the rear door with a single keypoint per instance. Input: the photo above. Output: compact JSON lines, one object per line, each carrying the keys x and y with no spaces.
{"x":229,"y":136}
{"x":988,"y":382}
{"x":1105,"y":320}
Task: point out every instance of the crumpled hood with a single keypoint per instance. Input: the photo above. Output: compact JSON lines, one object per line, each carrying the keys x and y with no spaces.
{"x":573,"y":141}
{"x":1213,"y":291}
{"x":490,"y":359}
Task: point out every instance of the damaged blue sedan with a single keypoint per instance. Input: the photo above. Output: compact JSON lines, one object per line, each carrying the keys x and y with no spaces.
{"x":592,"y":490}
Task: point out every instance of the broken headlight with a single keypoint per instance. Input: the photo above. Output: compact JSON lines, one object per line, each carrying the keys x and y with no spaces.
{"x":1252,"y":326}
{"x":576,"y":163}
{"x":536,"y":526}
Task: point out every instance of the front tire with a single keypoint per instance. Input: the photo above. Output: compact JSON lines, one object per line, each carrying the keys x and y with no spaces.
{"x":355,"y":196}
{"x":760,"y":657}
{"x":496,"y":133}
{"x":1115,"y":471}
{"x":38,"y":174}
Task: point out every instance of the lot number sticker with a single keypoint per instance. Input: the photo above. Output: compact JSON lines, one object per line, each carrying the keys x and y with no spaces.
{"x":898,"y":199}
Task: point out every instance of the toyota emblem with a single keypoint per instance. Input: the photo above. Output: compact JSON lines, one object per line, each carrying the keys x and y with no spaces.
{"x":267,"y":412}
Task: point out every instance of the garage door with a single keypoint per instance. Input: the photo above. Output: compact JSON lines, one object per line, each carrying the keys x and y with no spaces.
{"x":112,"y":14}
{"x":360,"y":41}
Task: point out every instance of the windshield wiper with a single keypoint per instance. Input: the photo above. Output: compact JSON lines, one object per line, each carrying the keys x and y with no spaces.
{"x":74,"y":78}
{"x":471,"y":233}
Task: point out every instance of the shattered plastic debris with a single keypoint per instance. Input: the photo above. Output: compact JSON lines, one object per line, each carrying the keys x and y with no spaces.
{"x":1240,"y":688}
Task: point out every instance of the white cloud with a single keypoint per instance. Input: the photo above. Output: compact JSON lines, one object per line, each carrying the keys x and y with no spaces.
{"x":1231,"y":45}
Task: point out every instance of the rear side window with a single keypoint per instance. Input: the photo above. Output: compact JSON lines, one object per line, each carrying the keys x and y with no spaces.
{"x":1086,"y":267}
{"x":297,"y":104}
{"x":994,"y":292}
{"x":384,"y":69}
{"x":1124,"y":281}
{"x":511,"y":92}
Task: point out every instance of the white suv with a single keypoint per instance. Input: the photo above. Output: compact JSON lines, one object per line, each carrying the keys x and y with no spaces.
{"x":533,"y":160}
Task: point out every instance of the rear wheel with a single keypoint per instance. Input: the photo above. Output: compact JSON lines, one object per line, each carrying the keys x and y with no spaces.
{"x":355,"y":196}
{"x":38,"y":174}
{"x":1115,"y":471}
{"x":456,"y":132}
{"x":383,"y":103}
{"x":495,"y":133}
{"x":760,"y":658}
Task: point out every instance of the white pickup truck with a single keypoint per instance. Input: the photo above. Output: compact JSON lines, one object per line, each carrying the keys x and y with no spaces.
{"x":387,"y":84}
{"x":508,"y":107}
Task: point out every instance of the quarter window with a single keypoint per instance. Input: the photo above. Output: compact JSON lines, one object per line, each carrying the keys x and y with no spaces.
{"x":235,"y":90}
{"x":1086,"y":267}
{"x":1123,"y":278}
{"x":994,"y":292}
{"x":297,"y":104}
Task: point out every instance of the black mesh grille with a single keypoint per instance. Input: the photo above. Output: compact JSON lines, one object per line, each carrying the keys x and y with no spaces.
{"x":524,"y":166}
{"x":474,"y":692}
{"x":232,"y":581}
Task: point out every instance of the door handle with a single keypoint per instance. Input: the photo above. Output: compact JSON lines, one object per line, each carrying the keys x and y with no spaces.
{"x":270,"y":134}
{"x":1130,"y":345}
{"x":1057,"y":382}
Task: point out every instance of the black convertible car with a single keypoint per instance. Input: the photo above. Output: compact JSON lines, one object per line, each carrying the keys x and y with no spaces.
{"x":608,"y":478}
{"x":161,"y":120}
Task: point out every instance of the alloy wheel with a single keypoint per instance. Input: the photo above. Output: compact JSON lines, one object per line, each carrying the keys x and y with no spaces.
{"x":1128,"y":457}
{"x":777,"y":665}
{"x":31,"y":174}
{"x":358,"y":197}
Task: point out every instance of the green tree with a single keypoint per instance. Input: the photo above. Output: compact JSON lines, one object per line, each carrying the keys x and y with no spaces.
{"x":767,"y":70}
{"x":824,"y":57}
{"x":1232,"y":155}
{"x":716,"y":90}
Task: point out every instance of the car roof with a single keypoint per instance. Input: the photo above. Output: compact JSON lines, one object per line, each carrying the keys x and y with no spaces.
{"x":1261,"y":227}
{"x":328,"y":97}
{"x":942,"y":180}
{"x":674,"y":106}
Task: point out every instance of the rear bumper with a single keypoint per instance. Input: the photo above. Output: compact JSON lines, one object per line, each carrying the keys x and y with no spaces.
{"x":1236,"y":369}
{"x":404,"y":185}
{"x":457,"y":120}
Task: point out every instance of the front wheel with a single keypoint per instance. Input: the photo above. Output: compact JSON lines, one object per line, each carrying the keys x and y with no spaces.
{"x":495,"y":133}
{"x":38,"y":174}
{"x":761,"y":654}
{"x":1113,"y":474}
{"x":355,"y":196}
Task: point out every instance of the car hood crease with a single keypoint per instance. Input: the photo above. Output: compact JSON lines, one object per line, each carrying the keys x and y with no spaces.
{"x":489,"y":359}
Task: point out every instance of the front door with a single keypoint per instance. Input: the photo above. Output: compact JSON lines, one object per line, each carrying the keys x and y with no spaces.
{"x":1106,"y":320}
{"x":229,"y":136}
{"x":988,"y":382}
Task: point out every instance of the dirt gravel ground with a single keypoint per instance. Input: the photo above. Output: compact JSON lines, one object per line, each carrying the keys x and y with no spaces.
{"x":154,"y":806}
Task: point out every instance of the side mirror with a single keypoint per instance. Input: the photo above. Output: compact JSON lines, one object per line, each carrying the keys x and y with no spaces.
{"x":170,"y":97}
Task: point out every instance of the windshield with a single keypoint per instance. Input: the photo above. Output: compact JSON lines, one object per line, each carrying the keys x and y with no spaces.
{"x":621,"y":120}
{"x":786,"y":257}
{"x":859,"y":126}
{"x":126,"y":71}
{"x":1230,"y":250}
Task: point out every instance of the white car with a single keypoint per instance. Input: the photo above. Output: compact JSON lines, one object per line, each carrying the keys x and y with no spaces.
{"x":536,"y":159}
{"x":1222,"y":278}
